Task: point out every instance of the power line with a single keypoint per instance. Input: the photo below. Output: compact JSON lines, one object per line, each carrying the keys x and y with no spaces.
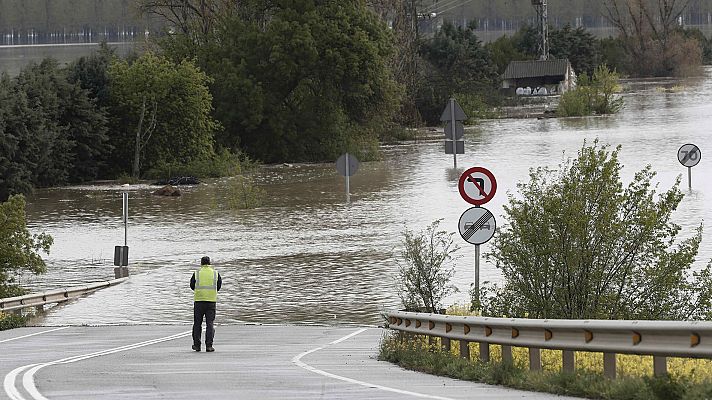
{"x":453,"y":7}
{"x":436,"y":6}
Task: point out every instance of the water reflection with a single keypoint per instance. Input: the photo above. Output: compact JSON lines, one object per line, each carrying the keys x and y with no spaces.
{"x":306,"y":255}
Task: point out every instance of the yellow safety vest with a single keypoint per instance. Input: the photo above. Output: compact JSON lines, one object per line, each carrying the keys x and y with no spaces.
{"x":206,"y":284}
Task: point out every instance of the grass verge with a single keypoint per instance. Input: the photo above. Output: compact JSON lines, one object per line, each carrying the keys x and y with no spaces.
{"x":414,"y":353}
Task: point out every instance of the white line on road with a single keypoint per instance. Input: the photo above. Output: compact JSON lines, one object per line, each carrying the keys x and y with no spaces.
{"x":297,"y":360}
{"x":9,"y":383}
{"x":33,"y":334}
{"x":28,"y":381}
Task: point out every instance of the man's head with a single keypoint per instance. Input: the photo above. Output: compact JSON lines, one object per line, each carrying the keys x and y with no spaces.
{"x":205,"y":260}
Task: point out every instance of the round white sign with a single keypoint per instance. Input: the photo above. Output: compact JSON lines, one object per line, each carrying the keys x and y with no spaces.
{"x":689,"y":155}
{"x":347,"y":168}
{"x":477,"y":225}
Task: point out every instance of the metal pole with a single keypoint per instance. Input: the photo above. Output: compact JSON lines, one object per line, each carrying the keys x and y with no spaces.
{"x":689,"y":177}
{"x":452,"y":128}
{"x":126,"y":217}
{"x":477,"y":273}
{"x":348,"y":183}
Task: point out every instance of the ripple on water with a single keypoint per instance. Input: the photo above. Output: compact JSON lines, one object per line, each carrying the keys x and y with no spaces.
{"x":306,"y":256}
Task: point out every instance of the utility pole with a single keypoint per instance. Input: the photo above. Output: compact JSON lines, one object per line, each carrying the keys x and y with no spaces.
{"x":542,"y":19}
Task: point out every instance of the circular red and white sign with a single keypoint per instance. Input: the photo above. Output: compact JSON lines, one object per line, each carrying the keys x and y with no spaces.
{"x":477,"y":186}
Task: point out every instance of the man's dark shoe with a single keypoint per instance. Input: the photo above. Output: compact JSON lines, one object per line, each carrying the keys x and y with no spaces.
{"x":209,"y":349}
{"x":196,"y":347}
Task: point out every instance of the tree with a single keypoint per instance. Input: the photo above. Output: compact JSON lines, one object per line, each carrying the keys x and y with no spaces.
{"x":19,"y":250}
{"x":648,"y":29}
{"x":53,"y":133}
{"x":505,"y":50}
{"x":15,"y":175}
{"x":92,"y":73}
{"x":198,"y":18}
{"x":579,"y":46}
{"x":307,"y":85}
{"x":580,"y":245}
{"x":161,"y":113}
{"x":423,"y":279}
{"x":456,"y":63}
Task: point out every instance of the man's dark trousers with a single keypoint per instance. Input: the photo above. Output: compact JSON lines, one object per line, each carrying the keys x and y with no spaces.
{"x":200,"y":309}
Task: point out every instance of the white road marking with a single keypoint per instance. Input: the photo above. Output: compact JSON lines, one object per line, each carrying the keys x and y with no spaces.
{"x":9,"y":383}
{"x":28,"y":381}
{"x":33,"y":334}
{"x":297,"y":360}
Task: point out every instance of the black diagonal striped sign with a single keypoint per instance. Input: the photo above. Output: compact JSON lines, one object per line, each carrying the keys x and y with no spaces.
{"x":477,"y":225}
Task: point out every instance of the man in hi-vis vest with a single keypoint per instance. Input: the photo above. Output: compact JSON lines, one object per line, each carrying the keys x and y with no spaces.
{"x":206,"y":283}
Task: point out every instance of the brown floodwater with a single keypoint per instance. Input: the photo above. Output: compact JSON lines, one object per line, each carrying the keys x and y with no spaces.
{"x":306,"y":255}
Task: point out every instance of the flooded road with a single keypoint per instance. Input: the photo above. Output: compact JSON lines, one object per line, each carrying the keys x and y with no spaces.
{"x":306,"y":256}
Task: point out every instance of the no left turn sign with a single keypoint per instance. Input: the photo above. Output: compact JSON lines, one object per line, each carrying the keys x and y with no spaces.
{"x":477,"y":186}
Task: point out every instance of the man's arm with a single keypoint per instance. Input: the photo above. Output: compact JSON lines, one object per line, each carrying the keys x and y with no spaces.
{"x":192,"y":282}
{"x":219,"y":281}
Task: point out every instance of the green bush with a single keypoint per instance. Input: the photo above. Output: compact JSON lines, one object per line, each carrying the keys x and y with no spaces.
{"x":574,"y":103}
{"x":579,"y":244}
{"x":243,"y":193}
{"x":596,"y":95}
{"x":19,"y":249}
{"x":11,"y":321}
{"x":218,"y":165}
{"x":125,"y":178}
{"x":475,"y":107}
{"x":425,"y":270}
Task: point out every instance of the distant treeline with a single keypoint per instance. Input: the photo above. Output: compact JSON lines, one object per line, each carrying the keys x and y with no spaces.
{"x":587,"y":13}
{"x":58,"y":21}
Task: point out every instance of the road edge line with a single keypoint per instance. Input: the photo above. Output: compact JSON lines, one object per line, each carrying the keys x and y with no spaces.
{"x":298,"y":362}
{"x":33,"y":334}
{"x":28,"y":381}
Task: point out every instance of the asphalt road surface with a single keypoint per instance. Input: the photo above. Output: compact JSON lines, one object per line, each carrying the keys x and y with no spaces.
{"x":250,"y":362}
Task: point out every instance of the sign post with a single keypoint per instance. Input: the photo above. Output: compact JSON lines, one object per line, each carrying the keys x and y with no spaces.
{"x":347,"y":165}
{"x":477,"y":225}
{"x":121,"y":253}
{"x":125,"y":213}
{"x":689,"y":155}
{"x":453,"y":115}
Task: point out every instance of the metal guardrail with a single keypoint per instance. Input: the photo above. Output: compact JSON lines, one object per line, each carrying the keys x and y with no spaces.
{"x":661,"y":339}
{"x":54,"y":296}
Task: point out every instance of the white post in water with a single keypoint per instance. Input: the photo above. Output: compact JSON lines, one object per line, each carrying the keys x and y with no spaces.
{"x":689,"y":178}
{"x":125,"y":197}
{"x":452,"y":127}
{"x":348,"y":180}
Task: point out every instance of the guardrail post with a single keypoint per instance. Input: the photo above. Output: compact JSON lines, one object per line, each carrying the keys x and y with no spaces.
{"x":39,"y":308}
{"x":465,"y":349}
{"x":568,"y":360}
{"x":534,"y":359}
{"x":445,"y":344}
{"x":506,"y":354}
{"x":485,"y":352}
{"x":609,"y":365}
{"x":659,"y":365}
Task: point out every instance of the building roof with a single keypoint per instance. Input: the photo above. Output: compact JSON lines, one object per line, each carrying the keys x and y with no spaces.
{"x":536,"y":68}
